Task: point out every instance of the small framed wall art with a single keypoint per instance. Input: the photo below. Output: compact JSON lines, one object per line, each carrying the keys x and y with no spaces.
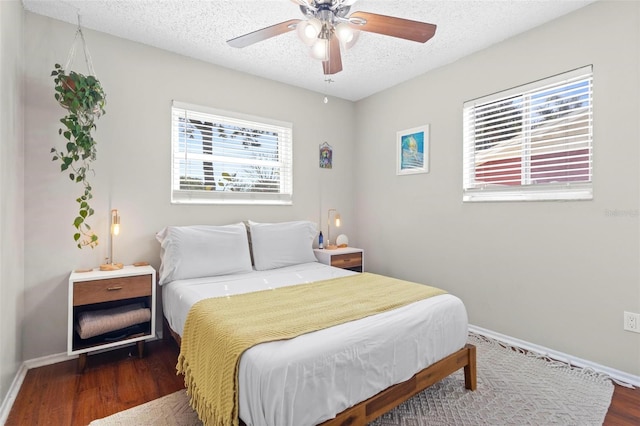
{"x":326,"y":156}
{"x":412,"y":151}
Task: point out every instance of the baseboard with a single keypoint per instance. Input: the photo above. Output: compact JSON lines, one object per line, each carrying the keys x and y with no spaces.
{"x":619,"y":376}
{"x":48,"y":360}
{"x":10,"y":398}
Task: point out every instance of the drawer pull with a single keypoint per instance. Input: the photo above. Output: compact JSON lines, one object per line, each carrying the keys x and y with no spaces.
{"x":119,"y":287}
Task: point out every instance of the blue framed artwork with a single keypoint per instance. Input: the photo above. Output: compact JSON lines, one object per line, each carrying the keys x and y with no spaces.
{"x":326,"y":156}
{"x":412,"y":151}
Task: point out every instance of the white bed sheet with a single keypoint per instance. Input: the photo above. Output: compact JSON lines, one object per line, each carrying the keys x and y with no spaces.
{"x":309,"y":379}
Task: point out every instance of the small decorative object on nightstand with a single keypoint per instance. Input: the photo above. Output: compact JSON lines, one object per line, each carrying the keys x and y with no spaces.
{"x":342,"y":241}
{"x":112,"y":308}
{"x":346,"y":258}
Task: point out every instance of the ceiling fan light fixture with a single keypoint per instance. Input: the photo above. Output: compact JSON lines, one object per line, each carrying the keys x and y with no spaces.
{"x":354,"y":39}
{"x":309,"y":30}
{"x":320,"y":49}
{"x":345,"y":33}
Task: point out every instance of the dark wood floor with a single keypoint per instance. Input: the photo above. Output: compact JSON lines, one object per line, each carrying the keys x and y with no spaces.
{"x":112,"y":381}
{"x":116,"y":380}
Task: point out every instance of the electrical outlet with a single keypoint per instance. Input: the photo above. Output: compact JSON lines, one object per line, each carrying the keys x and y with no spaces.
{"x":632,"y":322}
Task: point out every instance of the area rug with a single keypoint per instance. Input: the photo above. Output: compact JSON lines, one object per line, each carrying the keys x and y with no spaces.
{"x":514,"y":388}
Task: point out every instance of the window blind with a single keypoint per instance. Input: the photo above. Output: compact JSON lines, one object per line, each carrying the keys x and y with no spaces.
{"x":224,"y":157}
{"x":532,"y":142}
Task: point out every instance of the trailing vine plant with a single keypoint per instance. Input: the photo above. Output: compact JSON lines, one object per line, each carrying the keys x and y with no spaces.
{"x":84,"y":98}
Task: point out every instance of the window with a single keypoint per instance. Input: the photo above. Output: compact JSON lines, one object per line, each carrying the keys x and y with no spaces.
{"x":220,"y":157}
{"x":533,"y":142}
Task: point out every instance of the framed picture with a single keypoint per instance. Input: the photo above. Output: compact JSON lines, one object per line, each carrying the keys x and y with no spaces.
{"x":326,"y":156}
{"x":412,"y":151}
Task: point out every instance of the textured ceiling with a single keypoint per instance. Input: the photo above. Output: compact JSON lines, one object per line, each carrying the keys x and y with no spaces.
{"x":199,"y":29}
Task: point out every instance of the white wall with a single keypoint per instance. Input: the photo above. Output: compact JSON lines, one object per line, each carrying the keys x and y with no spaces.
{"x":11,"y":190}
{"x":132,"y":170}
{"x":558,"y":274}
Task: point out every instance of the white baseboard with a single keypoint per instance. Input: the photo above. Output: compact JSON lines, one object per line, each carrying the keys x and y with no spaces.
{"x":619,"y":376}
{"x":48,"y":360}
{"x":10,"y":398}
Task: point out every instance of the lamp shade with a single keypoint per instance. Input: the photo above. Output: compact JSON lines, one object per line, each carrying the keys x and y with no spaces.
{"x":308,"y":30}
{"x":345,"y":33}
{"x":320,"y":49}
{"x":336,"y":222}
{"x":115,"y":222}
{"x":113,"y":231}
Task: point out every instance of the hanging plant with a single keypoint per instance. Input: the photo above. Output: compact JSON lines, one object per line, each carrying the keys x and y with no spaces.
{"x":84,"y":98}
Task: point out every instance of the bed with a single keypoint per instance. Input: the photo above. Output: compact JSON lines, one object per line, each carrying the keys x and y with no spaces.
{"x":345,"y":374}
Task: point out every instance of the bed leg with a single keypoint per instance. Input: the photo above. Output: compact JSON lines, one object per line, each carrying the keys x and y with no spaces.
{"x":470,"y":379}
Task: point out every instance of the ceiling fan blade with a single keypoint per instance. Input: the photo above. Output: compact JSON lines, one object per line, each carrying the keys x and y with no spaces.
{"x":334,"y":64}
{"x":263,"y":34}
{"x":395,"y":27}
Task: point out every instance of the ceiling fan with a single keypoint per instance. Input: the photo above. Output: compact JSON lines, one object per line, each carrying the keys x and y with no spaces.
{"x":326,"y":27}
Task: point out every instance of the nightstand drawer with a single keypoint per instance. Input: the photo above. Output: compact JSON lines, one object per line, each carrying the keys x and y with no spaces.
{"x":106,"y":290}
{"x":349,"y":260}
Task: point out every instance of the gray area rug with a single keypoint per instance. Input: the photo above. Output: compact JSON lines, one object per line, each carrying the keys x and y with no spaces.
{"x":514,"y":388}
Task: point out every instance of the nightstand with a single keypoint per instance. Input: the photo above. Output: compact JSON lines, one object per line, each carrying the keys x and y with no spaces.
{"x":106,"y":302}
{"x":346,"y":258}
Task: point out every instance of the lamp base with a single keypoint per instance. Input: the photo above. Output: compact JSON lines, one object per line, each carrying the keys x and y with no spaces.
{"x":111,"y":266}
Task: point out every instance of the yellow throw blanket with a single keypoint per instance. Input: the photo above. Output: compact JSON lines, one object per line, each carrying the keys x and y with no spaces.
{"x":219,"y":330}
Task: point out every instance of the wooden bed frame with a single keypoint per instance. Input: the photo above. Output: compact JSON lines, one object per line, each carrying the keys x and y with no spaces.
{"x":372,"y":408}
{"x":388,"y":399}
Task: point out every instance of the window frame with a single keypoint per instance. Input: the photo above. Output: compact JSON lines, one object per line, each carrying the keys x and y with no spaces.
{"x":474,"y":191}
{"x":196,"y":196}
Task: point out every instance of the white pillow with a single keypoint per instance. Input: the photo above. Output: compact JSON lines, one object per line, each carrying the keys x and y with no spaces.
{"x":276,"y":245}
{"x":203,"y":251}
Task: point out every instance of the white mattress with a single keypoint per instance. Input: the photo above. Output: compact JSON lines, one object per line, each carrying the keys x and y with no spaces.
{"x":309,"y":379}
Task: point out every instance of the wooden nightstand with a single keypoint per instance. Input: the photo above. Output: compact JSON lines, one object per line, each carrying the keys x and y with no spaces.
{"x":101,"y":292}
{"x":346,"y":258}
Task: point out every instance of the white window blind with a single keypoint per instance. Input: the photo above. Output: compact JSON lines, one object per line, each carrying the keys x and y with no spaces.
{"x":532,"y":142}
{"x":224,"y":157}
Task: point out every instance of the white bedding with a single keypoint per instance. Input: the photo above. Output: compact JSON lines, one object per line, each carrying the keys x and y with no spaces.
{"x":309,"y":379}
